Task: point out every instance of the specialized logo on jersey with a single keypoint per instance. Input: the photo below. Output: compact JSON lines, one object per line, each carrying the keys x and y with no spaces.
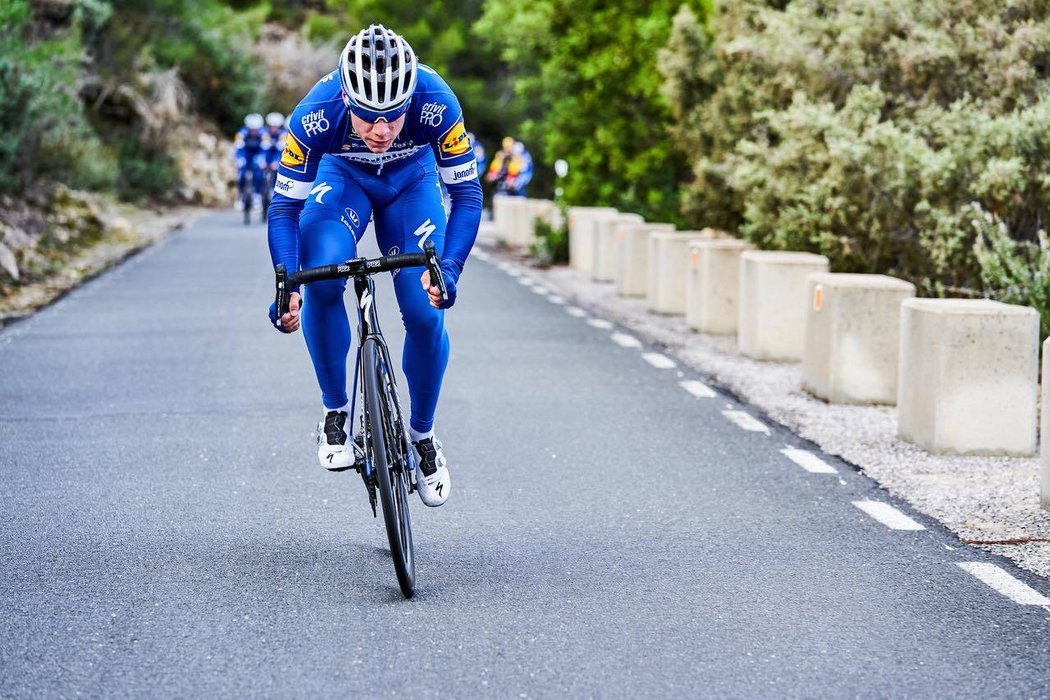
{"x":327,"y":77}
{"x":455,"y":141}
{"x":315,"y":123}
{"x":295,"y":155}
{"x":433,"y":114}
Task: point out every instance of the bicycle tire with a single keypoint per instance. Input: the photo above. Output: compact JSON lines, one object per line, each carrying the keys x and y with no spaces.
{"x":246,"y":205}
{"x":388,"y":452}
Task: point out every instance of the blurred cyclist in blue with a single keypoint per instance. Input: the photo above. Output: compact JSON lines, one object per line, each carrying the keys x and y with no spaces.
{"x":249,"y":154}
{"x":375,"y":139}
{"x":519,"y":170}
{"x":276,"y":131}
{"x":479,"y":151}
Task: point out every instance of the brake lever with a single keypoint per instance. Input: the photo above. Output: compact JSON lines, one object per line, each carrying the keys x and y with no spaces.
{"x":434,"y":266}
{"x":282,"y":296}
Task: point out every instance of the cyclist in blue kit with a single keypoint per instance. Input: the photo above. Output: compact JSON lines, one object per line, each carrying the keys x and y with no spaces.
{"x":375,"y":139}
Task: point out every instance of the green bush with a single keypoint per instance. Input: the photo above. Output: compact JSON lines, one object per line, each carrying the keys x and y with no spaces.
{"x":550,"y":244}
{"x":863,"y":129}
{"x":587,"y":71}
{"x":46,"y":132}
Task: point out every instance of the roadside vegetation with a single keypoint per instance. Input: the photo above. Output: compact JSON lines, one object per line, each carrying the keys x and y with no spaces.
{"x":910,"y":137}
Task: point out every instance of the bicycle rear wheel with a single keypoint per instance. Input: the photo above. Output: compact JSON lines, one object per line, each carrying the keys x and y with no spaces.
{"x":388,"y":450}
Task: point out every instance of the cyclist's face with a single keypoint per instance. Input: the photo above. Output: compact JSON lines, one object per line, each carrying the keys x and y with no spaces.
{"x":378,"y":136}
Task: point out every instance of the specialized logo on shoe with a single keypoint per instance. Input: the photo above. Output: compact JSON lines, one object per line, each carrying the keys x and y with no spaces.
{"x":295,"y":155}
{"x":455,"y":141}
{"x":423,"y":232}
{"x":330,"y":456}
{"x":439,"y":489}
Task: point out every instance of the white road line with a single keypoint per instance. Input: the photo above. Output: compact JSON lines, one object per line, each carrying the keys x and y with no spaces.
{"x":600,"y":323}
{"x":626,"y":341}
{"x":555,"y":299}
{"x":525,"y":281}
{"x":808,"y":461}
{"x":745,"y":420}
{"x":575,"y":311}
{"x":658,"y":361}
{"x":503,"y":266}
{"x":698,"y":389}
{"x":1005,"y":583}
{"x":481,"y":255}
{"x":542,"y":291}
{"x":888,"y":515}
{"x":513,"y":272}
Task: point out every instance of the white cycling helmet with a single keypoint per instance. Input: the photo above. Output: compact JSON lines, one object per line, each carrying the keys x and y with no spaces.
{"x":254,"y":121}
{"x":274,"y":119}
{"x":378,"y":72}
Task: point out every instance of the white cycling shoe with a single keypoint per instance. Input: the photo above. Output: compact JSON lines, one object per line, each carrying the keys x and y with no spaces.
{"x":334,"y":450}
{"x":432,"y":479}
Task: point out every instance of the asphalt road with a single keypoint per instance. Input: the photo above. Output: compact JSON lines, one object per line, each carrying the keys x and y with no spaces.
{"x":166,"y":530}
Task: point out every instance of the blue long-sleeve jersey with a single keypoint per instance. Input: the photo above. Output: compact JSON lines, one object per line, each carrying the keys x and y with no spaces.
{"x":320,"y":127}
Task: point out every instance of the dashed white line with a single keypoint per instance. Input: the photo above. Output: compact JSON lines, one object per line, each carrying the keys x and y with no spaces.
{"x":1004,"y":583}
{"x":658,"y":361}
{"x":575,"y":311}
{"x":888,"y":515}
{"x":808,"y":461}
{"x":481,"y":255}
{"x":555,"y":299}
{"x":745,"y":420}
{"x":513,"y":272}
{"x":542,"y":291}
{"x":525,"y":281}
{"x":600,"y":323}
{"x":698,"y":389}
{"x":626,"y":341}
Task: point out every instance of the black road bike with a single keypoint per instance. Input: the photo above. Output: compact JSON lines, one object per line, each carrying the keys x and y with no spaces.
{"x":384,"y":456}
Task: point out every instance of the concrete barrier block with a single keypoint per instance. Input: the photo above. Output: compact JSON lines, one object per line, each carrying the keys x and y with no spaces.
{"x":668,"y":264}
{"x":509,"y":218}
{"x":852,"y":337}
{"x":967,"y":380}
{"x":606,"y":253}
{"x":712,"y":284}
{"x":632,"y":276}
{"x":771,"y":317}
{"x":501,"y":205}
{"x":581,"y":235}
{"x":1044,"y":431}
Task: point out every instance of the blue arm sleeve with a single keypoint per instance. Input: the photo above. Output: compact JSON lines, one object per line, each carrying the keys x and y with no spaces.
{"x":463,"y":221}
{"x":283,"y":231}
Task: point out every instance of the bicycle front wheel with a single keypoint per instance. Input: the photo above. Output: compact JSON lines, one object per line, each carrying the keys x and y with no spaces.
{"x":388,"y":450}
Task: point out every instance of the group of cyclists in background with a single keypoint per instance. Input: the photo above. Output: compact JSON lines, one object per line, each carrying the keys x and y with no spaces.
{"x":258,"y":145}
{"x":257,"y":149}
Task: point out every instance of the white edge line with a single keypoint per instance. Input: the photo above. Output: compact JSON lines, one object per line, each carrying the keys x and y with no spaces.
{"x":1004,"y":583}
{"x":600,"y":323}
{"x":888,"y":515}
{"x":625,"y":341}
{"x":746,"y":421}
{"x":698,"y":389}
{"x":808,"y":461}
{"x":658,"y":361}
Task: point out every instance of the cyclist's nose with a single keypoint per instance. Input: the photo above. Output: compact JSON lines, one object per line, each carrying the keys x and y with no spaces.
{"x":381,"y":130}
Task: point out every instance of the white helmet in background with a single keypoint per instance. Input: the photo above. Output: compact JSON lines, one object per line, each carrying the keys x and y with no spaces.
{"x":274,"y":119}
{"x":254,"y":121}
{"x":377,"y":71}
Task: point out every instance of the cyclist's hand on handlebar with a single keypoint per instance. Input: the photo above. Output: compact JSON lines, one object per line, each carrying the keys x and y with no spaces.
{"x":289,"y":322}
{"x":434,"y":292}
